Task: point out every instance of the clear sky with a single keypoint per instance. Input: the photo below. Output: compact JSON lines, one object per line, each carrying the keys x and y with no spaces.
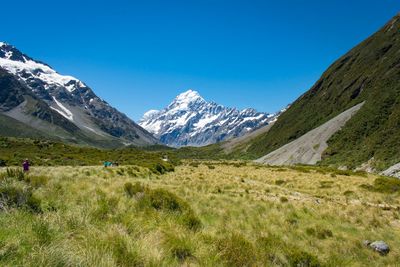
{"x":139,"y":55}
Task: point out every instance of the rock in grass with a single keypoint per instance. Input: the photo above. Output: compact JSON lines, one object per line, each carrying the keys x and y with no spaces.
{"x":379,"y":246}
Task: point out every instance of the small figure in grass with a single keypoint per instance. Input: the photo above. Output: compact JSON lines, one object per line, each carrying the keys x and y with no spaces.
{"x":107,"y":164}
{"x":25,"y":165}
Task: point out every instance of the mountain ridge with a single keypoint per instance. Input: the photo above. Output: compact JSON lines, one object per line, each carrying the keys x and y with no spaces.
{"x":367,"y":73}
{"x":42,"y":95}
{"x":189,"y":120}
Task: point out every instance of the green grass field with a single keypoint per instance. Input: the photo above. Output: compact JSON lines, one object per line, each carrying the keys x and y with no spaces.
{"x":202,"y":214}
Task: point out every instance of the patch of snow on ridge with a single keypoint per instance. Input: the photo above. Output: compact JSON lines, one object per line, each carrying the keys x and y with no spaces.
{"x":39,"y":71}
{"x":153,"y":128}
{"x":8,"y":54}
{"x":90,"y":129}
{"x":150,"y":114}
{"x":204,"y":121}
{"x":181,"y":121}
{"x":64,"y":111}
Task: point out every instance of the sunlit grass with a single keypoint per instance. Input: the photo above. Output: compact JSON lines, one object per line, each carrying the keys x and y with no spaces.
{"x":208,"y":214}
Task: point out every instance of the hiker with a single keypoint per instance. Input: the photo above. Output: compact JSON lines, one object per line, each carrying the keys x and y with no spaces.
{"x":25,"y":165}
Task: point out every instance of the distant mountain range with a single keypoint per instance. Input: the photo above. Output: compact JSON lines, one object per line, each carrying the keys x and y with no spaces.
{"x":36,"y":101}
{"x":192,"y":121}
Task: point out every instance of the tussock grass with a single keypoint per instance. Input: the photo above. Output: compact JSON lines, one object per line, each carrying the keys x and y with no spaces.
{"x":234,"y":214}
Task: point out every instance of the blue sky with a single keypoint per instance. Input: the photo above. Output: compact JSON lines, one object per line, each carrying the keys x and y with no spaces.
{"x":138,"y":55}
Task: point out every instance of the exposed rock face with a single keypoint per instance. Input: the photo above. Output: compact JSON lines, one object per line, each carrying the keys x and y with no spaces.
{"x":308,"y":148}
{"x":393,"y":171}
{"x":48,"y":96}
{"x":192,"y":121}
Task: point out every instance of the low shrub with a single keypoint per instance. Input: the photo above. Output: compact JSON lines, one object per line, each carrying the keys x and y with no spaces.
{"x":298,"y":257}
{"x":292,"y":218}
{"x":303,"y":169}
{"x":367,"y":187}
{"x":349,"y":172}
{"x":235,"y":250}
{"x":191,"y":221}
{"x":325,"y":184}
{"x":43,"y":232}
{"x":280,"y":182}
{"x":121,"y":172}
{"x":165,"y":201}
{"x":278,"y":253}
{"x":161,"y":199}
{"x":322,"y":233}
{"x":131,"y":190}
{"x":7,"y":250}
{"x":3,"y":163}
{"x":319,"y":232}
{"x":162,"y":168}
{"x":106,"y":206}
{"x":239,"y":164}
{"x":348,"y":193}
{"x":179,"y":247}
{"x":387,"y":185}
{"x":194,"y":164}
{"x":284,"y":199}
{"x":310,"y":231}
{"x":15,"y":173}
{"x":123,"y":254}
{"x":36,"y":181}
{"x":18,"y":196}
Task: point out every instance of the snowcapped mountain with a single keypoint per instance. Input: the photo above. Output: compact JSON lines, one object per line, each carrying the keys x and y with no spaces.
{"x":192,"y":121}
{"x":60,"y":106}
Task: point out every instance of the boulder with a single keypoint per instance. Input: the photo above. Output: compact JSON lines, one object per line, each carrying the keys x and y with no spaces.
{"x":379,"y":246}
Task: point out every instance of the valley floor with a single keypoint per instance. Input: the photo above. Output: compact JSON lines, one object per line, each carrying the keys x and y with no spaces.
{"x":204,"y":213}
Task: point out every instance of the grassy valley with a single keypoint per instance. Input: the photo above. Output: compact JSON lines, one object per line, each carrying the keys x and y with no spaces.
{"x":205,"y":213}
{"x":103,"y":191}
{"x":48,"y":153}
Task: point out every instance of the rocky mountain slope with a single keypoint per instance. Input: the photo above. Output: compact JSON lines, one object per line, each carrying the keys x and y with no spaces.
{"x":308,"y":148}
{"x":58,"y":106}
{"x":368,"y":73}
{"x":192,"y":121}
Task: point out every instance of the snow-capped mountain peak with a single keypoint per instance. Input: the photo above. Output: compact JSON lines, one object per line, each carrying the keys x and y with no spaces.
{"x":53,"y":97}
{"x":191,"y":120}
{"x":32,"y":71}
{"x":188,"y":96}
{"x":186,"y":99}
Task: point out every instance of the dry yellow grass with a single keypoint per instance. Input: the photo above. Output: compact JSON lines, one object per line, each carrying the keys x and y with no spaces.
{"x":278,"y":212}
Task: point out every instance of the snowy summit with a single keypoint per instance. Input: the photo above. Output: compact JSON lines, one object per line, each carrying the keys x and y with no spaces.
{"x":192,"y":121}
{"x":63,"y":104}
